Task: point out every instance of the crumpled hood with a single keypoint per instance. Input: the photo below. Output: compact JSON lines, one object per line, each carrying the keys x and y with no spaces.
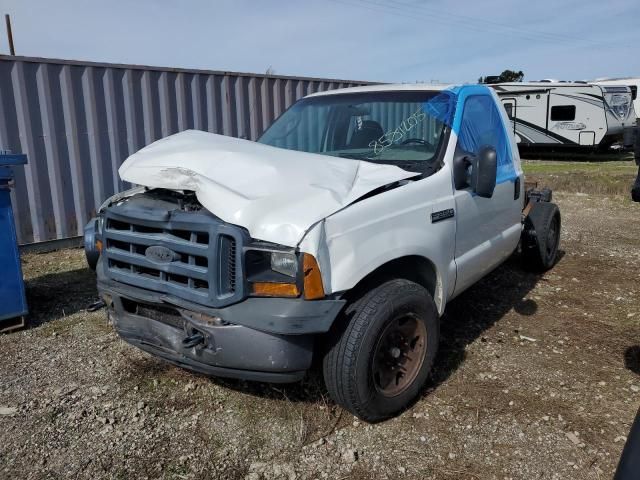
{"x":276,"y":194}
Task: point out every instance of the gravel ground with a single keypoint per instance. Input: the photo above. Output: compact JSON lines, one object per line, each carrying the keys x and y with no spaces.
{"x":536,"y":377}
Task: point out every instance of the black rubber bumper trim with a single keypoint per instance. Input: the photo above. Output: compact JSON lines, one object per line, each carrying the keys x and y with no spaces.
{"x":284,"y":316}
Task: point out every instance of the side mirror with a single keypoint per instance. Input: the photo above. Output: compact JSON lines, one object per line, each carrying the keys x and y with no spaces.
{"x":476,"y":171}
{"x":483,"y":171}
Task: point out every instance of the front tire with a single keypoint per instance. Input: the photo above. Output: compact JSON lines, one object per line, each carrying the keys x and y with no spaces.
{"x":380,"y":357}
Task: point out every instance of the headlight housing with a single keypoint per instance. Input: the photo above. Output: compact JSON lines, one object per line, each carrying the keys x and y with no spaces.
{"x":283,"y":273}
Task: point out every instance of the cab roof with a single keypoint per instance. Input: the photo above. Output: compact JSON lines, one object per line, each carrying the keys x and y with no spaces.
{"x":387,"y":87}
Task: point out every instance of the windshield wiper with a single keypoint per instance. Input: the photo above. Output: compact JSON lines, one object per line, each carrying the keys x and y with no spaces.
{"x":356,"y":156}
{"x":408,"y":165}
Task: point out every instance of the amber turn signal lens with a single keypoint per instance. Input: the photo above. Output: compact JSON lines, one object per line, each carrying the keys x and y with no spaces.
{"x":268,"y":289}
{"x":313,"y":288}
{"x":99,"y":245}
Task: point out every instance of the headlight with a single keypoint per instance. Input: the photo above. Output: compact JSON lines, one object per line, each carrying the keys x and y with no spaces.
{"x":285,"y":263}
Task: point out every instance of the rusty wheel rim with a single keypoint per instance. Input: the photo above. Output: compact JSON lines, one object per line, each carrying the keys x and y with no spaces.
{"x":399,"y":355}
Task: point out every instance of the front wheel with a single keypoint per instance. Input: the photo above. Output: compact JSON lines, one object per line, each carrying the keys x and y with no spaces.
{"x":381,"y":356}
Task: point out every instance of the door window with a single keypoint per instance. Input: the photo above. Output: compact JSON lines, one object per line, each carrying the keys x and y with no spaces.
{"x":482,"y":125}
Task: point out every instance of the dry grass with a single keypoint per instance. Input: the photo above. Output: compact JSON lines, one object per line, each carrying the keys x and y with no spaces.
{"x":599,"y":178}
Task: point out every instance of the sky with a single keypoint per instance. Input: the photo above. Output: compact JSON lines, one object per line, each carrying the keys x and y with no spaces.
{"x":374,"y":40}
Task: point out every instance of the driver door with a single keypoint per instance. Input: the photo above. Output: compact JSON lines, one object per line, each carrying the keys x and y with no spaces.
{"x":487,"y":229}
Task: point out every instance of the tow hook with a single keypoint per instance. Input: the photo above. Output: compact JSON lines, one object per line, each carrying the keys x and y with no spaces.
{"x":193,"y":340}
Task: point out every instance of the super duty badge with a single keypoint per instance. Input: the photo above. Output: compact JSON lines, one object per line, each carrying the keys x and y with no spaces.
{"x":442,"y":215}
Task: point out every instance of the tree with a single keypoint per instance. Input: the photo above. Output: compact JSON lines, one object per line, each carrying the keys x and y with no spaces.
{"x":505,"y":76}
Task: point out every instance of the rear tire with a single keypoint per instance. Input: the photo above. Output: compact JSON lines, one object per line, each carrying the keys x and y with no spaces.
{"x":380,"y":356}
{"x":635,"y":190}
{"x":541,"y":237}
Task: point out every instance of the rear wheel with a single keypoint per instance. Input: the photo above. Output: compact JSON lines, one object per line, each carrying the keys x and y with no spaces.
{"x":541,"y":237}
{"x":635,"y":190}
{"x":381,"y":356}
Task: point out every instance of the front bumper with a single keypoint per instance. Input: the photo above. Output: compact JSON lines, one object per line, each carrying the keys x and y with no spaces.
{"x":261,"y":339}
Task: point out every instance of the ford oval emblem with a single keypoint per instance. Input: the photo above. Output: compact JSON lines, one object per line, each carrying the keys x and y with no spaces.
{"x":160,"y":254}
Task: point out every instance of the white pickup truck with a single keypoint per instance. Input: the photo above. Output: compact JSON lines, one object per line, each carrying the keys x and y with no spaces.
{"x":342,"y":233}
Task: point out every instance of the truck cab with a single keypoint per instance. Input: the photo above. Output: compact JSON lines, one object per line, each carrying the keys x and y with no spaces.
{"x":341,"y":233}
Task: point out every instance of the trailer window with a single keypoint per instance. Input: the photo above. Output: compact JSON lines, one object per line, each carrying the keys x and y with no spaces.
{"x":509,"y":108}
{"x":563,"y":113}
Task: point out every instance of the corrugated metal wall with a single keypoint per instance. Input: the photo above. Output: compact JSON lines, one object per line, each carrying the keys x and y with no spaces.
{"x":78,"y":121}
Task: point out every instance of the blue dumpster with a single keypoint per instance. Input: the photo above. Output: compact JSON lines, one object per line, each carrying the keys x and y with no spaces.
{"x":13,"y":304}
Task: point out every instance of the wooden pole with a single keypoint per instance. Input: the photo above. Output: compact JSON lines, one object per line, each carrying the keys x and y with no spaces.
{"x":7,"y":20}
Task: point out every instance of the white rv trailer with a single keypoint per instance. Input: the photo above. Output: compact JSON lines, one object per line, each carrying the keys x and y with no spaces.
{"x":579,"y":115}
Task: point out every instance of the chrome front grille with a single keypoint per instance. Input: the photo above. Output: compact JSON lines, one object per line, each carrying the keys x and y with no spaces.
{"x":189,"y":255}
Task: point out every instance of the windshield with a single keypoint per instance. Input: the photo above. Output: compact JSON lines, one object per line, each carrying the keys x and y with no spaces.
{"x":397,"y":128}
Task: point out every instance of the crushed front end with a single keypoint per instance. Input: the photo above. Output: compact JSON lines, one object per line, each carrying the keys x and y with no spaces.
{"x":184,"y":285}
